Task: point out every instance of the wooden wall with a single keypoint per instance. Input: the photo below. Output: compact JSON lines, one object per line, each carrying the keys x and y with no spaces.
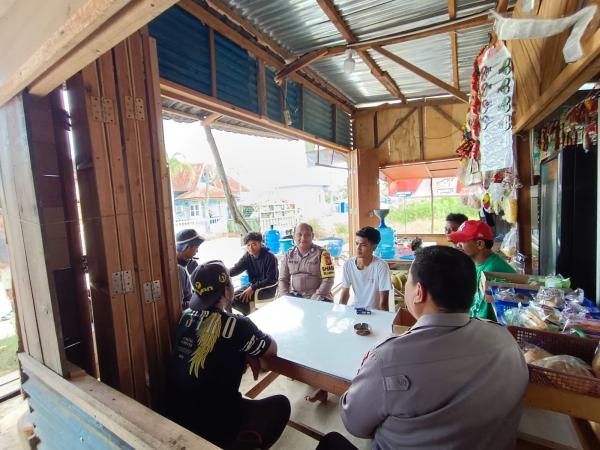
{"x":127,"y":217}
{"x":543,"y":80}
{"x":402,"y":134}
{"x":37,"y":308}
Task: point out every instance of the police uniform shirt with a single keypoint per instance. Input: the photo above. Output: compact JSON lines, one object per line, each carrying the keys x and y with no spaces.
{"x":204,"y":386}
{"x":449,"y":383}
{"x":309,"y":275}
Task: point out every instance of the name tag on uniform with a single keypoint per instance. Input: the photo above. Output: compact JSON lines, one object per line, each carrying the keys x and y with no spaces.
{"x":397,"y":383}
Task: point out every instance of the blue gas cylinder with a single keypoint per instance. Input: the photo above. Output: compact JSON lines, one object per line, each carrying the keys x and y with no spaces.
{"x":272,"y":240}
{"x":385,"y":249}
{"x":244,"y":279}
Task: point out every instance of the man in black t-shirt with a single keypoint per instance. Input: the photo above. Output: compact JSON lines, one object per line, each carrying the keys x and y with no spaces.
{"x":212,"y":348}
{"x":263,"y":273}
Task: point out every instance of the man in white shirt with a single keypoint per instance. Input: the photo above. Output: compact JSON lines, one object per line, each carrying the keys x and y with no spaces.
{"x":368,"y":275}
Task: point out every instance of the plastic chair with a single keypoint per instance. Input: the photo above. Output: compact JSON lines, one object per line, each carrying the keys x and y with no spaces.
{"x":256,"y":300}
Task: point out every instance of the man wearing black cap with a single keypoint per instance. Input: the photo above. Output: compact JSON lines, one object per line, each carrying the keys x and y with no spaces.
{"x":209,"y":357}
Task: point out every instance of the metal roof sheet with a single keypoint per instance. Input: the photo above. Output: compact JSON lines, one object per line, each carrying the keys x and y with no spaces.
{"x":300,"y":26}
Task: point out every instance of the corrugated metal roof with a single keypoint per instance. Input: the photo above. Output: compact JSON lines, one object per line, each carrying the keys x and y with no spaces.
{"x":301,"y":26}
{"x":183,"y":112}
{"x":470,"y":43}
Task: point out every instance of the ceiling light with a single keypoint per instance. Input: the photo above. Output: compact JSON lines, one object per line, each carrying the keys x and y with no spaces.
{"x":349,"y":62}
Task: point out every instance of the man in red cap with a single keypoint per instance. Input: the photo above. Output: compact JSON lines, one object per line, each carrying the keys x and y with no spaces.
{"x":476,"y":239}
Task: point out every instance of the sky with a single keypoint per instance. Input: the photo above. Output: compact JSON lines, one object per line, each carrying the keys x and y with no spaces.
{"x":260,"y":164}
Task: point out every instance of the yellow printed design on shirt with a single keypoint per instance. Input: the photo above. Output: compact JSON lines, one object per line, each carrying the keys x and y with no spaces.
{"x":327,"y":268}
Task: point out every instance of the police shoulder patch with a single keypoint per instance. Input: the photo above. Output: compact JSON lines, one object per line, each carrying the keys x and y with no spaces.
{"x":327,"y":267}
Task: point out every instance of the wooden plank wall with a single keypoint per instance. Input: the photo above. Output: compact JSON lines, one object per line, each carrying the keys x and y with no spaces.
{"x":543,"y":80}
{"x":37,"y":309}
{"x":393,"y":133}
{"x":121,"y":168}
{"x":52,"y":171}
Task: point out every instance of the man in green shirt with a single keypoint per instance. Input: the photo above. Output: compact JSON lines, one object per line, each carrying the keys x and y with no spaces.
{"x":476,"y":239}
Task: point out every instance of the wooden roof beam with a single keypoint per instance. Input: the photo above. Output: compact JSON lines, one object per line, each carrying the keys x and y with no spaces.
{"x":223,"y":8}
{"x":335,"y":17}
{"x":463,"y":23}
{"x":454,"y":45}
{"x":298,"y":64}
{"x":210,"y":119}
{"x":445,"y":86}
{"x":383,"y":77}
{"x":502,"y":6}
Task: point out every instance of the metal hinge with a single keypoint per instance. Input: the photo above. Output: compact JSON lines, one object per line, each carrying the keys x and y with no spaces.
{"x":103,"y":109}
{"x":134,"y":108}
{"x":121,"y":282}
{"x":152,"y":291}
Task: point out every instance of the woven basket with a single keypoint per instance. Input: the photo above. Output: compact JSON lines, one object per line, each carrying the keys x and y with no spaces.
{"x":560,"y":344}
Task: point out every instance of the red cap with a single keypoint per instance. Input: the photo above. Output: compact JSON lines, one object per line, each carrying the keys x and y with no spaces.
{"x":471,"y":230}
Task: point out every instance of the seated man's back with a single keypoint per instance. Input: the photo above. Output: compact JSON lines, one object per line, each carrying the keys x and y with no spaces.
{"x":451,"y":381}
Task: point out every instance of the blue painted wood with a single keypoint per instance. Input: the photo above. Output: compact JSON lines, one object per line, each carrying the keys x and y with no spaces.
{"x":273,"y":96}
{"x":292,"y":101}
{"x":237,"y":73}
{"x":342,"y":128}
{"x":318,"y":115}
{"x":183,"y":47}
{"x":61,"y":425}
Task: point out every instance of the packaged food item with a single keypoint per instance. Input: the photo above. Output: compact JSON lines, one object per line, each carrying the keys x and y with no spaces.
{"x":526,"y":317}
{"x":596,"y":362}
{"x":506,"y":294}
{"x":566,"y":364}
{"x":533,"y":353}
{"x":550,"y":296}
{"x":591,"y":327}
{"x":576,"y":296}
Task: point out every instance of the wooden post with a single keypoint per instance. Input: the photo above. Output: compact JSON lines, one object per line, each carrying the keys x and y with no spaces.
{"x":524,"y":197}
{"x":37,"y":308}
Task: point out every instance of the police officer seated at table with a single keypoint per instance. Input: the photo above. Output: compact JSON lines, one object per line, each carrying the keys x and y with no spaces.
{"x":368,"y":275}
{"x":306,"y":270}
{"x":210,"y":353}
{"x":261,"y":266}
{"x":451,"y":381}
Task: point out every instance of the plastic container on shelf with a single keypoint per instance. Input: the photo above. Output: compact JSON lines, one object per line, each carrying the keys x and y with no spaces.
{"x":385,"y":249}
{"x":285,"y":245}
{"x":272,"y":238}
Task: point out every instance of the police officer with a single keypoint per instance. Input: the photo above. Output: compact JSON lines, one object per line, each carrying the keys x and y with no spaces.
{"x":306,"y":270}
{"x":400,"y":398}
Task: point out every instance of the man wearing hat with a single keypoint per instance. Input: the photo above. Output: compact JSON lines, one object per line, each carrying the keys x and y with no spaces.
{"x":476,"y":240}
{"x":212,"y":348}
{"x":187,"y":242}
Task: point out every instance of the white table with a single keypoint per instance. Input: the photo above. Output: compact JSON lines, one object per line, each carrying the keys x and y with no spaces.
{"x":316,"y":341}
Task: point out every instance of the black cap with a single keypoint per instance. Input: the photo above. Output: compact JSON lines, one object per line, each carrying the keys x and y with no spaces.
{"x":209,"y":281}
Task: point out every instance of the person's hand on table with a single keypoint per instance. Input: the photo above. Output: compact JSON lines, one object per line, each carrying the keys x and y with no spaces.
{"x":246,"y":295}
{"x":254,"y":364}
